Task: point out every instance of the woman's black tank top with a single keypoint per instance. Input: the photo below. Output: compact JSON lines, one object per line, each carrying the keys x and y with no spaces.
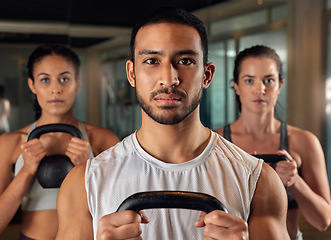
{"x":283,"y":144}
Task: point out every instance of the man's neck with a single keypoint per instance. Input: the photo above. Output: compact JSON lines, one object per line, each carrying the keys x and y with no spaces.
{"x":173,"y":143}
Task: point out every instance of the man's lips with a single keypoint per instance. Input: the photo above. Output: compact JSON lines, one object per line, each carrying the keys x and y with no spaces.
{"x":167,"y":97}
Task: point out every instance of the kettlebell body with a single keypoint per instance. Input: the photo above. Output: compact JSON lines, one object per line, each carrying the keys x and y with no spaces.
{"x":54,"y":168}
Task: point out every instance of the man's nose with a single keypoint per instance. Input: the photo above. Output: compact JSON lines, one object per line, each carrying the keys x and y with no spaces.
{"x":169,"y":76}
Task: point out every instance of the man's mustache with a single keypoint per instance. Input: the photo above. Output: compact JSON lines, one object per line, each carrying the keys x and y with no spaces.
{"x":169,"y":91}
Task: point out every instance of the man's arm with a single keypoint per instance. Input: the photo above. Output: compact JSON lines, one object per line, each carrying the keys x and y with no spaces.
{"x":269,"y":208}
{"x":75,"y":221}
{"x":267,"y":218}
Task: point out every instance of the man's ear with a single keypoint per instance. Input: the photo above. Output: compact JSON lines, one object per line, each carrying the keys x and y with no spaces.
{"x":31,"y":85}
{"x":208,"y":75}
{"x":130,"y":73}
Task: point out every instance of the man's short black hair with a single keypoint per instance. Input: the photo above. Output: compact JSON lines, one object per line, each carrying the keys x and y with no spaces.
{"x":172,"y":15}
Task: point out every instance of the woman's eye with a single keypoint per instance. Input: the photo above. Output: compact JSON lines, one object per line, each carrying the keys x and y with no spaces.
{"x":44,"y":80}
{"x":269,"y":81}
{"x":64,"y":79}
{"x":249,"y":81}
{"x":186,"y":61}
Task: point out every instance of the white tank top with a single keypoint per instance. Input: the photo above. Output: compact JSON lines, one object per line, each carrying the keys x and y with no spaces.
{"x":221,"y":170}
{"x":37,"y":197}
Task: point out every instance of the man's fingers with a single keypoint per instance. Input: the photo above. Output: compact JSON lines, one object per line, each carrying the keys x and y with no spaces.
{"x":144,"y":218}
{"x":221,"y":225}
{"x":223,"y":219}
{"x":200,"y":222}
{"x":128,"y":231}
{"x":121,"y":225}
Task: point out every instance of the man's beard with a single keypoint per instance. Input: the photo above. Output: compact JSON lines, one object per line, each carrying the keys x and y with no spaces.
{"x":167,"y":118}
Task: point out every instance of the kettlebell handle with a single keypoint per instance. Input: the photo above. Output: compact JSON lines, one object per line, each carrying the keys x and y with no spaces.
{"x":54,"y":168}
{"x":56,"y":127}
{"x":171,"y":199}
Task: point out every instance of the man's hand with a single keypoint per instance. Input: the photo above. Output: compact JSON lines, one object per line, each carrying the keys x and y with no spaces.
{"x":221,"y":225}
{"x":121,"y":225}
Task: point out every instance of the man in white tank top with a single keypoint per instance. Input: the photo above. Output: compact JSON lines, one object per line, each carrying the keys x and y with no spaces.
{"x":172,"y":151}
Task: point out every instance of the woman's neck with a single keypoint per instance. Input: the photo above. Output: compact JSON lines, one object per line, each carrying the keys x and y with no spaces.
{"x":252,"y":123}
{"x":67,"y":118}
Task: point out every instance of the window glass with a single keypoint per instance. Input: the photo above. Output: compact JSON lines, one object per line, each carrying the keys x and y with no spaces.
{"x":279,"y":13}
{"x":240,"y":22}
{"x":232,"y":110}
{"x":120,"y":110}
{"x":328,"y":4}
{"x":222,"y":100}
{"x":218,"y":86}
{"x":14,"y":78}
{"x":80,"y":107}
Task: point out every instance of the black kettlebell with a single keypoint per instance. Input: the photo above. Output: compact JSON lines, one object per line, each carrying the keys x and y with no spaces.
{"x":53,"y":169}
{"x":272,"y":159}
{"x":171,"y":199}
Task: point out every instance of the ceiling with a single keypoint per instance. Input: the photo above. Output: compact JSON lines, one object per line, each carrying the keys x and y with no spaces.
{"x":79,"y":23}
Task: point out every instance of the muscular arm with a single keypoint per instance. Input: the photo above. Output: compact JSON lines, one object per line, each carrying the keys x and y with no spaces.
{"x":75,"y":221}
{"x":269,"y":208}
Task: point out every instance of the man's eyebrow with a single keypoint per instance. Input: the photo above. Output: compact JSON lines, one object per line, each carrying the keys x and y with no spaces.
{"x":179,"y":53}
{"x":149,"y":51}
{"x":187,"y":52}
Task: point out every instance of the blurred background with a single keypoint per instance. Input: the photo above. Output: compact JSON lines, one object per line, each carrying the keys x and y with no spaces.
{"x":99,"y":31}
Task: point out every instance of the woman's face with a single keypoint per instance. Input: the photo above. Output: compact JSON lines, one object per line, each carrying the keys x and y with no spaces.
{"x":258,"y":84}
{"x":54,"y":84}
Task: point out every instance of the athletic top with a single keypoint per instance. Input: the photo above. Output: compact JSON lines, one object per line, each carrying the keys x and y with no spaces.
{"x":283,"y":144}
{"x":37,"y":197}
{"x":222,"y":170}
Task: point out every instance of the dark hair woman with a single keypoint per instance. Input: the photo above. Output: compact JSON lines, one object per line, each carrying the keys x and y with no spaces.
{"x":54,"y":79}
{"x":257,"y":82}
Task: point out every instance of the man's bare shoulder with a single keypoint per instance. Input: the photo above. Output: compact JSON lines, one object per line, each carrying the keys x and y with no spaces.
{"x":269,"y":184}
{"x":72,"y":206}
{"x":269,"y":207}
{"x":74,"y":182}
{"x":77,"y":173}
